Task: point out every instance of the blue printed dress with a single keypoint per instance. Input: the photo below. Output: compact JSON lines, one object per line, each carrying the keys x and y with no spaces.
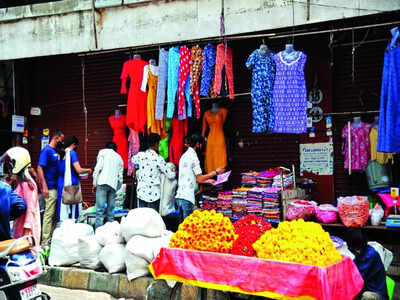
{"x":207,"y":74}
{"x":261,"y":90}
{"x":389,"y":117}
{"x":290,"y":94}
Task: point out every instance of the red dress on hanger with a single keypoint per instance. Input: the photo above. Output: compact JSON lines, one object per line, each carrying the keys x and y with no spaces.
{"x":136,"y":111}
{"x":179,"y":131}
{"x":118,"y":127}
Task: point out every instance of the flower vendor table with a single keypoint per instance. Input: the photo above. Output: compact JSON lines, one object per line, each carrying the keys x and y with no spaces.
{"x":260,"y":277}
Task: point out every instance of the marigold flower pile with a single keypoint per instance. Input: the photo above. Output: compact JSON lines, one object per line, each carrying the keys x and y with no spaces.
{"x":249,"y":229}
{"x":299,"y":242}
{"x":205,"y":231}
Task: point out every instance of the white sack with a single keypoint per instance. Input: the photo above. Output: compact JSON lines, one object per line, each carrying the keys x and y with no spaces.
{"x":142,"y":221}
{"x":64,"y":250}
{"x":109,"y":233}
{"x":135,"y":266}
{"x":148,"y":248}
{"x":385,"y":254}
{"x":89,"y":250}
{"x":112,"y":257}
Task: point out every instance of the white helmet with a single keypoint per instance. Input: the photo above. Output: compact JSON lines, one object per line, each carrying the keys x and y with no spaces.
{"x":16,"y":160}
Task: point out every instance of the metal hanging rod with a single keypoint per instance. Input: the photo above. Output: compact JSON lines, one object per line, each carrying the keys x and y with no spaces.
{"x":153,"y":47}
{"x":350,"y":113}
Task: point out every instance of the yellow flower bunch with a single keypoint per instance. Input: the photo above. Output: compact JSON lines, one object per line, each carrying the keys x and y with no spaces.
{"x":300,"y":242}
{"x":206,"y":231}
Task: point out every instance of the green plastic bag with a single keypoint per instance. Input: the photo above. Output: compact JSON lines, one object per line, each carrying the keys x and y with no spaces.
{"x":390,"y":286}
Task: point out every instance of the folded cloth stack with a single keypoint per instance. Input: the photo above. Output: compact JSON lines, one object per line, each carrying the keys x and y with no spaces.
{"x":271,"y":210}
{"x":239,"y":202}
{"x":249,"y":179}
{"x":255,"y":201}
{"x":224,"y":203}
{"x":265,"y":178}
{"x":287,"y":181}
{"x":208,"y":202}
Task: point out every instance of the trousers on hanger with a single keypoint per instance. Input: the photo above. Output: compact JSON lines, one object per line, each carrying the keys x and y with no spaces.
{"x":224,"y":59}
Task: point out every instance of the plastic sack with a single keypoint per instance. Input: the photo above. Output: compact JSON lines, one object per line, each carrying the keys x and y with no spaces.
{"x":385,"y":254}
{"x":142,"y":221}
{"x":148,"y":248}
{"x":353,"y":211}
{"x":300,"y":209}
{"x":64,"y":250}
{"x":377,"y":214}
{"x":135,"y":266}
{"x":112,"y":257}
{"x":327,"y":213}
{"x":109,"y":233}
{"x":89,"y":250}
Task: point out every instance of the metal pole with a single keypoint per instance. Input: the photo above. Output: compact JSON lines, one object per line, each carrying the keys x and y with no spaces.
{"x":13,"y":76}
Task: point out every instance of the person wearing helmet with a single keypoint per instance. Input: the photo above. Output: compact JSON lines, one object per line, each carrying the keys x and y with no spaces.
{"x":48,"y":177}
{"x":17,"y":164}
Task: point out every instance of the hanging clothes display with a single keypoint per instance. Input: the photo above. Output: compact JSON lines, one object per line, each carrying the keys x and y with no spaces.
{"x":150,"y":79}
{"x":162,"y":83}
{"x":380,"y":157}
{"x":360,"y":146}
{"x":184,"y":70}
{"x":134,"y":147}
{"x":216,"y":156}
{"x":224,"y":59}
{"x":118,"y":126}
{"x":164,"y":143}
{"x":173,"y":79}
{"x":207,"y":73}
{"x":262,"y":84}
{"x":195,"y":70}
{"x":179,"y":131}
{"x":289,"y":96}
{"x":389,"y":117}
{"x":136,"y":112}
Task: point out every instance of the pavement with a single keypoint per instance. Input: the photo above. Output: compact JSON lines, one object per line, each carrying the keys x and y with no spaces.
{"x":58,"y":293}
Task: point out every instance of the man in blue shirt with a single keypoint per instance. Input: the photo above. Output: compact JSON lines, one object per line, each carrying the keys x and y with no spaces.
{"x":11,"y":207}
{"x":370,"y":266}
{"x":48,"y":177}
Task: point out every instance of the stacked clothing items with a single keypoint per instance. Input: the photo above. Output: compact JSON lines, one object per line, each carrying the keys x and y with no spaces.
{"x":287,"y":181}
{"x":208,"y":202}
{"x":265,"y":178}
{"x":271,"y":210}
{"x":255,"y":201}
{"x":224,"y":203}
{"x":239,"y":203}
{"x":249,"y":179}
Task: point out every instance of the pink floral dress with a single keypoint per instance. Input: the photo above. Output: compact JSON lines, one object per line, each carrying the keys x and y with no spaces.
{"x":31,"y":219}
{"x":360,"y":146}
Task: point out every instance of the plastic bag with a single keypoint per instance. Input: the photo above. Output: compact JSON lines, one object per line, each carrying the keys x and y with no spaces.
{"x":112,"y":257}
{"x":385,"y":254}
{"x":135,"y":266}
{"x":89,"y":250}
{"x":142,"y":221}
{"x":64,"y":250}
{"x":109,"y":233}
{"x":327,"y":213}
{"x":300,"y":209}
{"x":148,"y":248}
{"x":353,"y":211}
{"x":376,"y":215}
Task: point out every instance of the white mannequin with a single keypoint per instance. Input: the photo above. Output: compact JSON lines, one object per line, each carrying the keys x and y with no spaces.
{"x":395,"y":35}
{"x":263,"y":50}
{"x":356,"y":122}
{"x":376,"y":121}
{"x":289,"y":48}
{"x":137,"y":56}
{"x":152,"y":62}
{"x":117,"y":114}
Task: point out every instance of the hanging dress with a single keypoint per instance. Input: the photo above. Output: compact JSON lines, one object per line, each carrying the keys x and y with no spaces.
{"x":360,"y":146}
{"x":179,"y":131}
{"x":151,"y":80}
{"x":119,"y":137}
{"x":263,"y":67}
{"x":136,"y":111}
{"x":389,"y":117}
{"x":134,"y":147}
{"x":289,"y":96}
{"x":216,"y":147}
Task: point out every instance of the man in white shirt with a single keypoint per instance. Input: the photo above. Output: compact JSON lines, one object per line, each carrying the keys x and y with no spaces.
{"x":190,"y":173}
{"x":107,"y":180}
{"x":150,"y":165}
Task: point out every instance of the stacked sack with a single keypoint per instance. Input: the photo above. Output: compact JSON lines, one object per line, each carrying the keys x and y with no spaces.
{"x":145,"y":233}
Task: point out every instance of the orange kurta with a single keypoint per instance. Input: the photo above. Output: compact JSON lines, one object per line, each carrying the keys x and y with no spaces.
{"x":216,"y":146}
{"x":153,"y":125}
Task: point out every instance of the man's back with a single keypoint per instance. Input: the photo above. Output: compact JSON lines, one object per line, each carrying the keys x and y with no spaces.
{"x":109,"y":169}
